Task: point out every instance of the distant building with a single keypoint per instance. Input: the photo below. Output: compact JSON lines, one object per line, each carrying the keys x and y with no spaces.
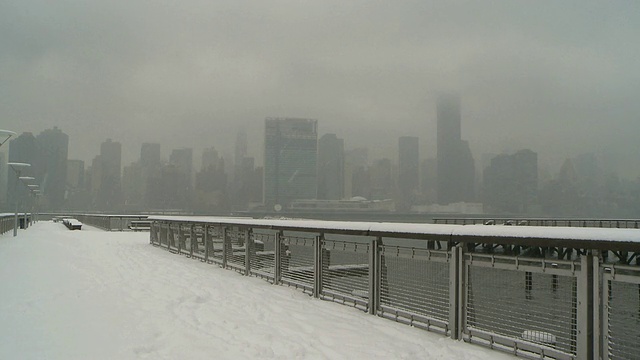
{"x":53,"y":146}
{"x":290,"y":170}
{"x":330,"y":167}
{"x":75,"y":174}
{"x":106,"y":175}
{"x":429,"y":180}
{"x":356,"y":204}
{"x":150,"y":155}
{"x":511,"y":183}
{"x":380,"y":180}
{"x":356,"y":173}
{"x":183,"y":160}
{"x":456,"y":169}
{"x":408,"y":169}
{"x":22,"y":149}
{"x":77,"y":196}
{"x":133,"y":186}
{"x":180,"y":174}
{"x":3,"y":182}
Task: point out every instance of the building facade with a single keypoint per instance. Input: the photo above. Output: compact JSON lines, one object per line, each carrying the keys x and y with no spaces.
{"x":290,"y":158}
{"x":331,"y":167}
{"x":53,"y":146}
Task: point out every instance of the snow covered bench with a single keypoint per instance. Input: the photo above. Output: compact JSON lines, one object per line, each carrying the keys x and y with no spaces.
{"x":72,"y":224}
{"x":140,"y":225}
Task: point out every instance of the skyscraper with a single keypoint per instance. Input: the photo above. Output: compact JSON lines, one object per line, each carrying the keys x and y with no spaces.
{"x":330,"y":167}
{"x":511,"y":182}
{"x":150,"y":155}
{"x":53,"y":145}
{"x":182,"y":174}
{"x":408,"y":168}
{"x":456,"y":169}
{"x":290,"y":155}
{"x":23,"y":149}
{"x":107,"y":167}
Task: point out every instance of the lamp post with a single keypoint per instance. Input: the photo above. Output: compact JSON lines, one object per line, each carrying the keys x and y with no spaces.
{"x":17,"y":168}
{"x":32,"y":190}
{"x":36,"y":207}
{"x":24,"y":181}
{"x":5,"y":135}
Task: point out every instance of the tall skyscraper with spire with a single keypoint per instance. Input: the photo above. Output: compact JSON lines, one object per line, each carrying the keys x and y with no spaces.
{"x":456,"y":170}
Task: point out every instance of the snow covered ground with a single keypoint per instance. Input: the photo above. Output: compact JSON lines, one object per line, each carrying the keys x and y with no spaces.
{"x":92,"y":294}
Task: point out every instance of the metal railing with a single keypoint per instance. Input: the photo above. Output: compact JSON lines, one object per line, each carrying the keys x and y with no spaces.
{"x":6,"y":222}
{"x":493,"y":286}
{"x":109,"y":222}
{"x":598,"y":223}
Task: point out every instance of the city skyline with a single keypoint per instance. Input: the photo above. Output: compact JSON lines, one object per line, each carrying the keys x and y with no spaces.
{"x":560,"y":78}
{"x":306,"y":171}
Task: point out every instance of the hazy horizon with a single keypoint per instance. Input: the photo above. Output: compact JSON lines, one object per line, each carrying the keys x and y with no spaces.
{"x":559,"y":78}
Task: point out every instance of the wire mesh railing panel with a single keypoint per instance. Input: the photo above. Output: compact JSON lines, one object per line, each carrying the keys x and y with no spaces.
{"x":414,"y":282}
{"x":216,"y":244}
{"x":185,"y":239}
{"x":297,"y":261}
{"x":263,"y":254}
{"x":345,"y":271}
{"x":532,"y":307}
{"x":623,"y":316}
{"x":174,"y":237}
{"x":236,"y":254}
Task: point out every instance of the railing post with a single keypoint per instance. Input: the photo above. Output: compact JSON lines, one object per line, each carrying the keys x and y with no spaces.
{"x":277,"y":271}
{"x":192,"y":240}
{"x":456,"y":290}
{"x":205,"y":238}
{"x":585,"y":303}
{"x":180,"y":238}
{"x":226,"y":242}
{"x":598,"y":329}
{"x":374,"y":275}
{"x":248,"y":244}
{"x":317,"y":265}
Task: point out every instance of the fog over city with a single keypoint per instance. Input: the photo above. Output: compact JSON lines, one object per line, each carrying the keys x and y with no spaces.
{"x":558,"y":78}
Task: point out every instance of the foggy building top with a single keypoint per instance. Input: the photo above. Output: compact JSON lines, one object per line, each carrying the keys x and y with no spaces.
{"x":456,"y":170}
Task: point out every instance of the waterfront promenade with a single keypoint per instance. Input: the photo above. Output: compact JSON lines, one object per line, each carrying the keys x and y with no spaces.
{"x":92,"y":294}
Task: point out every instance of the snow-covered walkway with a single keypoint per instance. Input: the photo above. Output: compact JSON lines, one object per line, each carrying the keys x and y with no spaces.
{"x":107,"y":295}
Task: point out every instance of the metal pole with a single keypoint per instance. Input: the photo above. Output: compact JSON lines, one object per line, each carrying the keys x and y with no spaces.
{"x":205,"y":238}
{"x":15,"y":217}
{"x":374,"y":279}
{"x":585,"y":316}
{"x":277,"y":271}
{"x":248,"y":244}
{"x":455,"y":289}
{"x":318,"y":265}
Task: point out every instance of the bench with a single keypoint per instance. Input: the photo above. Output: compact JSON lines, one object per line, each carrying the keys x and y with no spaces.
{"x":72,"y":224}
{"x":140,"y":225}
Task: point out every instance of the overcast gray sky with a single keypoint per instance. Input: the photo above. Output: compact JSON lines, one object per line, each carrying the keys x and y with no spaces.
{"x":559,"y":77}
